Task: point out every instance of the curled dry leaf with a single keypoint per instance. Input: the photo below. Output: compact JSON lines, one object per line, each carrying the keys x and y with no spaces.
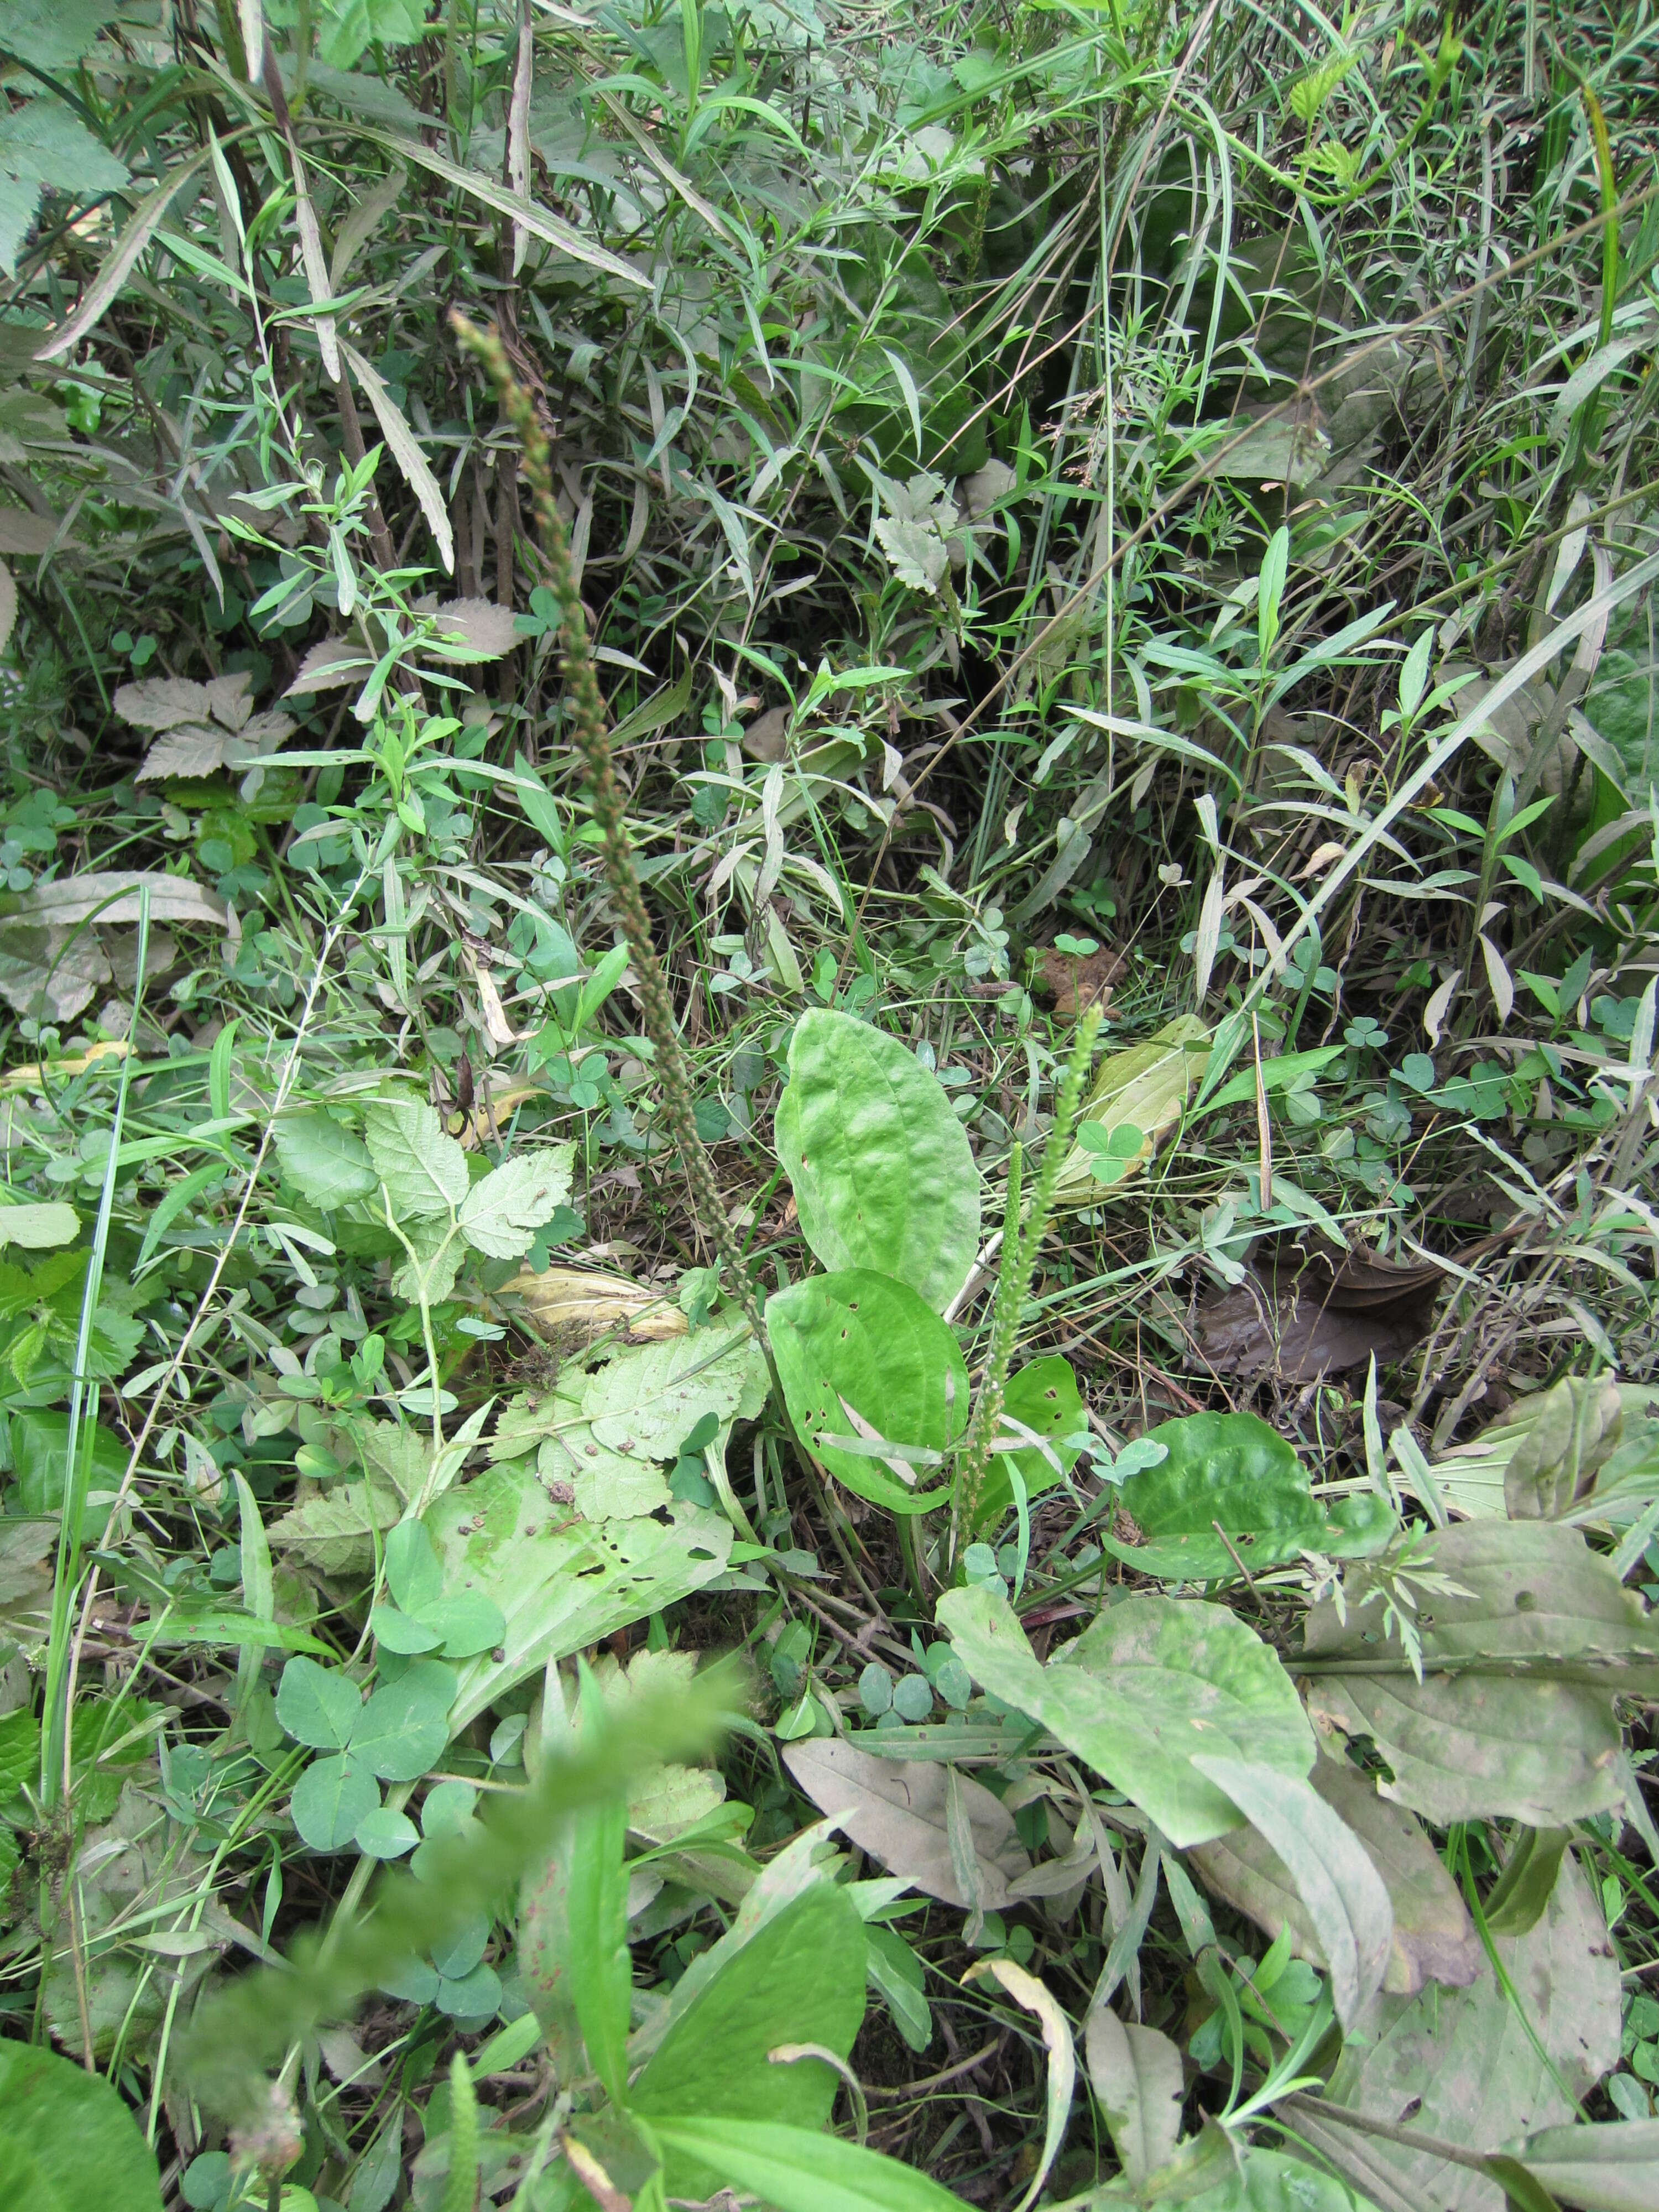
{"x":1303,"y":1314}
{"x":474,"y":630}
{"x":1076,"y":982}
{"x":895,"y":1810}
{"x":587,"y":1303}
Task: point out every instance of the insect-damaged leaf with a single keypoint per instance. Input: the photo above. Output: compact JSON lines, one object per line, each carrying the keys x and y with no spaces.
{"x":1462,"y":2064}
{"x":1433,"y":1938}
{"x":1152,"y":1681}
{"x":882,"y":1173}
{"x":1514,"y":1715}
{"x":1042,"y":1398}
{"x":562,"y":1582}
{"x":1136,"y":2072}
{"x":863,"y":1359}
{"x":1231,"y":1472}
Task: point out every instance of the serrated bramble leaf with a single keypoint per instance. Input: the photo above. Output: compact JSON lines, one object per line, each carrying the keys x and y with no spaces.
{"x":500,"y":1215}
{"x":423,"y":1170}
{"x":326,"y":1165}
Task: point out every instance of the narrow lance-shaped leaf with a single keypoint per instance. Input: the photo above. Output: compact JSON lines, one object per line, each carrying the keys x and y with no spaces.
{"x":404,"y":448}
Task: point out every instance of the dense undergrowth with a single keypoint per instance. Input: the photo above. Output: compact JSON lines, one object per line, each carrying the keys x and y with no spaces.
{"x":829,"y":1105}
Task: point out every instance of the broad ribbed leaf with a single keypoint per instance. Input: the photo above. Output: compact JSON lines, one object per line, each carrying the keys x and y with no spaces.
{"x":882,"y":1172}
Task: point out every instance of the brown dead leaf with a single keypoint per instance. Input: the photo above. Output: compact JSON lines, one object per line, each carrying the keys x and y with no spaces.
{"x":585,"y":1302}
{"x":767,"y":739}
{"x":1302,"y":1314}
{"x":1078,"y":982}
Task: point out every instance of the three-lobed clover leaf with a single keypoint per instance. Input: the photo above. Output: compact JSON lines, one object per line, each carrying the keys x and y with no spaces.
{"x":394,"y":1737}
{"x":1112,"y":1152}
{"x":422,"y":1619}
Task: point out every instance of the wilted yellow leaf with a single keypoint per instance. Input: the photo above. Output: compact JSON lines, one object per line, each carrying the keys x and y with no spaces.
{"x":1144,"y":1087}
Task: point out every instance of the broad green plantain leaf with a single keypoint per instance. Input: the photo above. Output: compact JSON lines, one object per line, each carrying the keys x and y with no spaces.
{"x":1150,"y":1683}
{"x":561,"y":1583}
{"x":326,"y":1165}
{"x":1344,"y":1894}
{"x":1576,"y":1426}
{"x":1463,"y":2062}
{"x":1514,"y":1715}
{"x":500,"y":1215}
{"x":882,"y":1173}
{"x":800,"y":1979}
{"x":424,"y":1171}
{"x":1042,"y":1397}
{"x":1136,"y":2074}
{"x":795,"y":2170}
{"x":68,"y":2143}
{"x":1233,"y":1469}
{"x":1143,"y":1088}
{"x":1434,"y":1939}
{"x":865,"y":1361}
{"x":1612,"y":2167}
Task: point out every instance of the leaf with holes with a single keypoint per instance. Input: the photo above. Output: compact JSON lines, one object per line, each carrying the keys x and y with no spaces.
{"x":1514,"y":1715}
{"x":560,"y":1582}
{"x":1230,"y":1473}
{"x":1041,"y":1398}
{"x":1135,"y":2074}
{"x":1472,"y":2068}
{"x":875,"y":1383}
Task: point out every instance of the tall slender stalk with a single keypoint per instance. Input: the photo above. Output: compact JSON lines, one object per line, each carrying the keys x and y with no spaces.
{"x":589,"y":725}
{"x":1021,"y":1243}
{"x":82,"y":1426}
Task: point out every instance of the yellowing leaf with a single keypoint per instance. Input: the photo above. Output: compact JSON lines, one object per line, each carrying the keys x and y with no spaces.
{"x":1144,"y":1087}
